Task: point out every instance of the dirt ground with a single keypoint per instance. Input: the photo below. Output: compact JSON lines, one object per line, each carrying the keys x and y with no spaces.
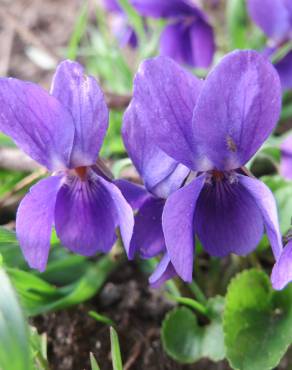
{"x":137,"y":311}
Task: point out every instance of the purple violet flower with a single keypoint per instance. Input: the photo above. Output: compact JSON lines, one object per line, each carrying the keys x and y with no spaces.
{"x":162,"y":176}
{"x":64,"y":131}
{"x":188,"y":37}
{"x":275,"y":20}
{"x":212,"y":127}
{"x":120,"y":27}
{"x":286,"y":158}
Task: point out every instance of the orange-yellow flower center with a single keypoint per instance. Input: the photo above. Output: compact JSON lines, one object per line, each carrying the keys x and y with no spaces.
{"x":218,"y":175}
{"x":81,"y":172}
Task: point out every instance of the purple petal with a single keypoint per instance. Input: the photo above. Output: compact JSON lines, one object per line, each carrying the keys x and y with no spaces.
{"x":288,"y":5}
{"x":227,"y":219}
{"x":160,"y":173}
{"x":82,"y":96}
{"x":286,"y":160}
{"x":188,"y":43}
{"x":163,"y":272}
{"x":284,"y":68}
{"x":37,"y":122}
{"x":124,"y":33}
{"x":148,"y":238}
{"x":112,"y":6}
{"x":202,"y":43}
{"x":134,"y":194}
{"x":125,"y":217}
{"x":34,"y":221}
{"x":272,"y":18}
{"x":178,"y":227}
{"x":236,"y":110}
{"x":164,"y":8}
{"x":87,"y":213}
{"x":164,"y":98}
{"x":267,"y":206}
{"x":171,"y":182}
{"x":282,"y":271}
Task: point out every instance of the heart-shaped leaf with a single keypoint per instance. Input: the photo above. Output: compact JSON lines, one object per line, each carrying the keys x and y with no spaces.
{"x":186,"y":341}
{"x":257,"y":322}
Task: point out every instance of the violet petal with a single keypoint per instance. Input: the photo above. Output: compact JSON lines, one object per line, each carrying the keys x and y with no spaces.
{"x":163,"y":272}
{"x":148,"y":239}
{"x":227,"y":219}
{"x":267,"y":205}
{"x":34,"y":220}
{"x":87,"y":214}
{"x":164,"y":98}
{"x":178,"y":226}
{"x":37,"y":122}
{"x":160,"y":173}
{"x":82,"y":96}
{"x":286,"y":158}
{"x":236,"y":110}
{"x":282,"y":270}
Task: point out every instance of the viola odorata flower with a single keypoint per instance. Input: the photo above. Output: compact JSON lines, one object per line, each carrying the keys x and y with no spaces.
{"x":188,"y":37}
{"x":120,"y":25}
{"x":275,"y":20}
{"x":161,"y":176}
{"x":63,"y":130}
{"x":213,"y":128}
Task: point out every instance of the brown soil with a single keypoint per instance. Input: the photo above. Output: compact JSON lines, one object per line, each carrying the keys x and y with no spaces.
{"x":137,"y":311}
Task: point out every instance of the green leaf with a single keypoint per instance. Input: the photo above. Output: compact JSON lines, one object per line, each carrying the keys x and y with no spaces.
{"x":237,"y":22}
{"x":242,"y":33}
{"x":38,"y":345}
{"x":257,"y":322}
{"x":115,"y":350}
{"x":101,"y":318}
{"x":14,"y":339}
{"x":38,"y":296}
{"x":186,"y":341}
{"x":93,"y":363}
{"x":10,"y":250}
{"x":192,"y":303}
{"x":77,"y":278}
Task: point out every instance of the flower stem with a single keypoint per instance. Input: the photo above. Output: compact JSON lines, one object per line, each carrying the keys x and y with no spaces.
{"x":197,"y":306}
{"x":196,"y":290}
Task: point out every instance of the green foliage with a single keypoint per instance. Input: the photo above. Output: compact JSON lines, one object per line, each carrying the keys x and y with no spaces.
{"x":93,"y":363}
{"x":257,"y":322}
{"x":14,"y":338}
{"x":115,"y":350}
{"x":101,"y":318}
{"x":78,"y":32}
{"x":113,"y":143}
{"x":237,"y":22}
{"x":38,"y":345}
{"x":242,"y":34}
{"x":38,"y":292}
{"x":186,"y":341}
{"x":8,"y":179}
{"x":134,"y":19}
